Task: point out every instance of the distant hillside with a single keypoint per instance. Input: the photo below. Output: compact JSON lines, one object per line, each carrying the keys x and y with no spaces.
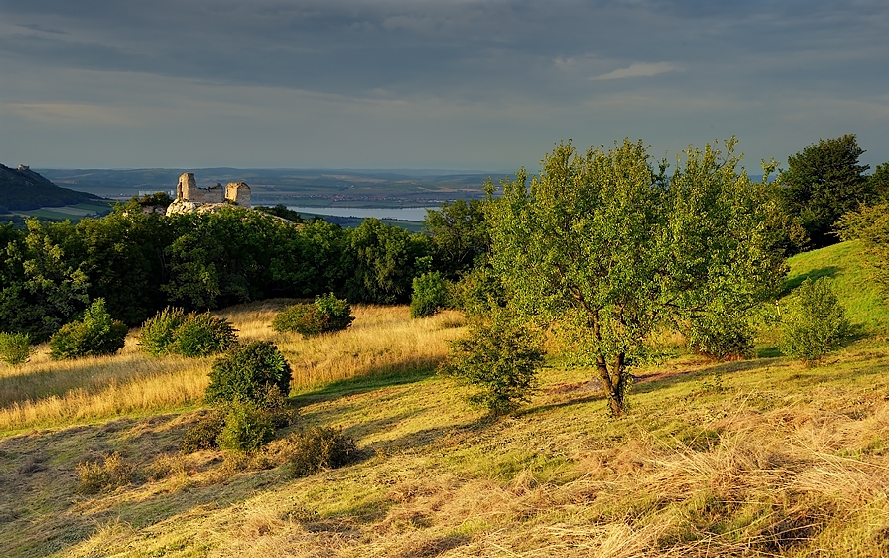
{"x":22,"y":189}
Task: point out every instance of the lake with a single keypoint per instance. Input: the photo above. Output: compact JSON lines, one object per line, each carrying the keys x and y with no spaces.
{"x":400,"y":214}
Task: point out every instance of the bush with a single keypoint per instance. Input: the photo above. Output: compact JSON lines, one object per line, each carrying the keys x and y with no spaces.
{"x":96,"y":334}
{"x":317,"y":449}
{"x":480,"y":292}
{"x":430,"y":294}
{"x":15,"y":348}
{"x":247,"y":427}
{"x":721,"y":337}
{"x":247,"y":373}
{"x":203,"y":335}
{"x":203,"y":434}
{"x":499,"y":360}
{"x":327,"y":314}
{"x":191,"y":335}
{"x":813,"y":321}
{"x":157,"y":332}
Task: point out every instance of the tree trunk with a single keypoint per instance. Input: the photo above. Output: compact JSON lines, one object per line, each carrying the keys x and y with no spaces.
{"x":614,"y":383}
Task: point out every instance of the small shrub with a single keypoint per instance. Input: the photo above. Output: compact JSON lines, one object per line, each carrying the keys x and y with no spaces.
{"x":247,"y":373}
{"x":112,"y":473}
{"x":15,"y":348}
{"x":203,"y":335}
{"x":480,"y":292}
{"x":813,"y":321}
{"x":191,"y":335}
{"x":721,"y":337}
{"x":499,"y":360}
{"x":247,"y":427}
{"x":316,"y":449}
{"x":203,"y":434}
{"x":96,"y":334}
{"x":429,"y":296}
{"x":157,"y":332}
{"x":327,"y":314}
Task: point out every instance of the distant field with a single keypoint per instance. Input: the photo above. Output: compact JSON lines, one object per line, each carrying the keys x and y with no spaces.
{"x":70,"y":212}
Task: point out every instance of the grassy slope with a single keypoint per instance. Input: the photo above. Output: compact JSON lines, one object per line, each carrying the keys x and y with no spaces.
{"x":756,"y":458}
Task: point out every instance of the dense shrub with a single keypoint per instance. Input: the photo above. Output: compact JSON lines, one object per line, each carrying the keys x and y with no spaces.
{"x":247,"y":373}
{"x":203,"y":335}
{"x":157,"y":332}
{"x":316,"y":449}
{"x":813,"y":321}
{"x":327,"y":314}
{"x":247,"y":427}
{"x":191,"y":335}
{"x":15,"y":348}
{"x":203,"y":434}
{"x":97,"y":334}
{"x":480,"y":292}
{"x":499,"y":360}
{"x":430,"y":294}
{"x":721,"y":336}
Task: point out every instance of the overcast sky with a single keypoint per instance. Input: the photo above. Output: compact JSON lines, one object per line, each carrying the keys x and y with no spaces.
{"x":482,"y":85}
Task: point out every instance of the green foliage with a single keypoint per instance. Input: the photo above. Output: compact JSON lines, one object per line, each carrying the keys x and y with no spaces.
{"x":499,"y":360}
{"x":383,"y":260}
{"x":97,"y":334}
{"x":327,"y":314}
{"x":480,"y":292}
{"x":247,"y":373}
{"x":823,"y":182}
{"x":607,"y":248}
{"x":871,"y":225}
{"x":172,"y":331}
{"x":430,"y":295}
{"x":112,"y":473}
{"x":247,"y":427}
{"x":281,"y":211}
{"x":318,"y":448}
{"x":15,"y":348}
{"x":459,"y":236}
{"x":203,"y":434}
{"x":721,"y":336}
{"x":813,"y":321}
{"x":878,"y":182}
{"x":157,"y":333}
{"x":202,"y":335}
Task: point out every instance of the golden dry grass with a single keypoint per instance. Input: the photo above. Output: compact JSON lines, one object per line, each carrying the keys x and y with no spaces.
{"x":771,"y":459}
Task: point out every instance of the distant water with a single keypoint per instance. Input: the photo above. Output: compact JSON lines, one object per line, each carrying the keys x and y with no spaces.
{"x":400,"y":214}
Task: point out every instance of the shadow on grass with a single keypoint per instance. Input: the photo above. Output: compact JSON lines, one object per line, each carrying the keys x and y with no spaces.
{"x":814,"y":275}
{"x":722,"y":368}
{"x":362,"y":384}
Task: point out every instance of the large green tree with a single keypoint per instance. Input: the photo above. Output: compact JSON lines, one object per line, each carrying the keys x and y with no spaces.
{"x":823,"y":182}
{"x":607,"y":248}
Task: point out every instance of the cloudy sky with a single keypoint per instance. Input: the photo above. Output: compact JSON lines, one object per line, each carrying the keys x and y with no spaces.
{"x":452,"y":84}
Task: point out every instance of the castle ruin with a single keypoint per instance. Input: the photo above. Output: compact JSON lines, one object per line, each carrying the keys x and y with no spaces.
{"x":190,"y":198}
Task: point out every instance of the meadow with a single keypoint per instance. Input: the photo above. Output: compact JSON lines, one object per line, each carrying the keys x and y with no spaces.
{"x":756,"y":457}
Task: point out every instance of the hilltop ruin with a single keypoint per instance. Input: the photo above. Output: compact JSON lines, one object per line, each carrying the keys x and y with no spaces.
{"x":190,"y":198}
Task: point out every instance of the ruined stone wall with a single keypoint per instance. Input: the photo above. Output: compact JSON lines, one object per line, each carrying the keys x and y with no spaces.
{"x":238,"y":193}
{"x":188,"y":191}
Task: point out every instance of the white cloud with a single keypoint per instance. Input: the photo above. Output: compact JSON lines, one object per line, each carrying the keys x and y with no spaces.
{"x":639,"y":69}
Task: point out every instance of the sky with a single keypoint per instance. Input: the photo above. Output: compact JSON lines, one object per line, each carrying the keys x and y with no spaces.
{"x":446,"y":84}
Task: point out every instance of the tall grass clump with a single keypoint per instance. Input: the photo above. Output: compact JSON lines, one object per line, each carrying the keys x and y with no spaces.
{"x":327,"y":314}
{"x":813,"y":321}
{"x":96,"y":334}
{"x":15,"y":348}
{"x":172,"y":331}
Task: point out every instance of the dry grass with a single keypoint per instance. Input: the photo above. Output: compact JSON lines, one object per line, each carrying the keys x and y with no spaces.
{"x":773,"y":459}
{"x":382,"y":340}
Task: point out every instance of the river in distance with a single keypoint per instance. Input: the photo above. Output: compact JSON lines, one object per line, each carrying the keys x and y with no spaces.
{"x":416,"y":214}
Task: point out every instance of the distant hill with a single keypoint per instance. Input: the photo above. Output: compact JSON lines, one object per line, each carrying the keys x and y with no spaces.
{"x":22,"y":189}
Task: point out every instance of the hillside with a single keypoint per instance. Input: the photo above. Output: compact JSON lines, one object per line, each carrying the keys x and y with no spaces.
{"x":22,"y":189}
{"x":763,"y":457}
